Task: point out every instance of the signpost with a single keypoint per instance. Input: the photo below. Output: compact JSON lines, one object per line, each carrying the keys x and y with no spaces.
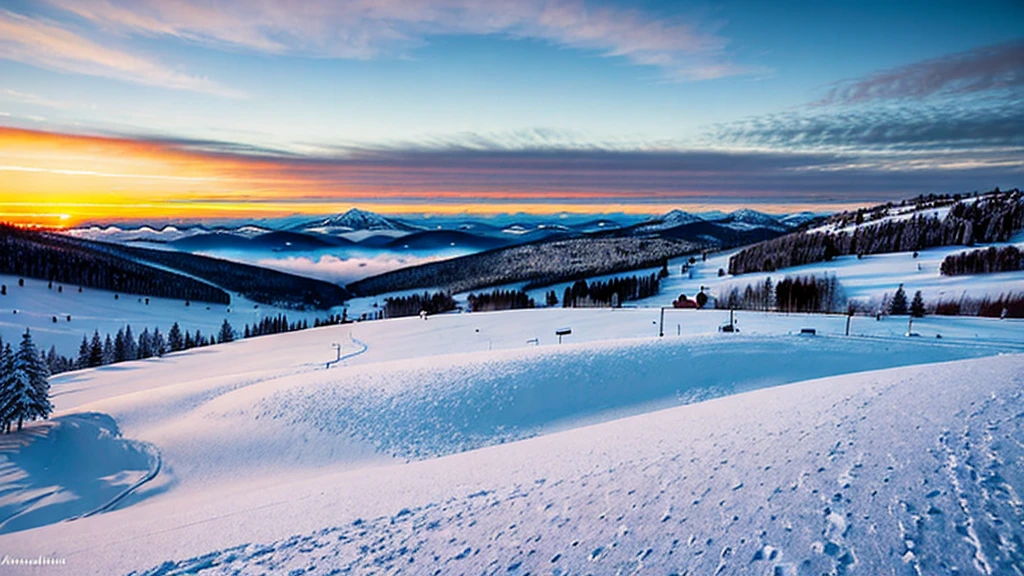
{"x":562,"y":332}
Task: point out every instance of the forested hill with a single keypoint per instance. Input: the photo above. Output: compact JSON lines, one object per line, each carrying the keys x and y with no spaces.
{"x":255,"y":283}
{"x":922,"y":223}
{"x":67,"y":261}
{"x":539,"y":264}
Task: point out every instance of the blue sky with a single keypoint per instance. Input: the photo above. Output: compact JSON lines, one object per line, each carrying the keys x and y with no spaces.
{"x":524,"y":102}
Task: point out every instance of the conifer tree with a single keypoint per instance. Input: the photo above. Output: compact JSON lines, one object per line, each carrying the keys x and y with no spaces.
{"x":108,"y":351}
{"x":7,"y":387}
{"x":83,"y":353}
{"x":26,"y":390}
{"x":917,"y":305}
{"x":898,"y":304}
{"x":120,"y":348}
{"x":174,"y":338}
{"x":145,"y":348}
{"x":227,"y":333}
{"x":131,"y":348}
{"x":159,"y":343}
{"x":95,"y":351}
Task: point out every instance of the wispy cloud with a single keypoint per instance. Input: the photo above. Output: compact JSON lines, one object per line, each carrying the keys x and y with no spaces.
{"x":47,"y":44}
{"x":980,"y":70}
{"x":902,"y":127}
{"x":363,"y":29}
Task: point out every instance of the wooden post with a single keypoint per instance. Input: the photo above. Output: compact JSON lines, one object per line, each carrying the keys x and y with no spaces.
{"x":661,"y":325}
{"x":848,"y":318}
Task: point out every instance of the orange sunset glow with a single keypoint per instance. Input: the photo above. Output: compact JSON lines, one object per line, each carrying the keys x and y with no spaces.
{"x":60,"y":180}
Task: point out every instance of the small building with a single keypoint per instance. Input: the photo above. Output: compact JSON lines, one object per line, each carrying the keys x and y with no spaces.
{"x":685,"y":303}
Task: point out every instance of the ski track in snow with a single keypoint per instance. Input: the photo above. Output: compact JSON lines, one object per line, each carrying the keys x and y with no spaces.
{"x":828,"y":477}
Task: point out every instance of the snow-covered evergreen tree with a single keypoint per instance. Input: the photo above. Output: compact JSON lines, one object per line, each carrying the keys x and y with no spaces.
{"x":7,"y":386}
{"x":26,"y":389}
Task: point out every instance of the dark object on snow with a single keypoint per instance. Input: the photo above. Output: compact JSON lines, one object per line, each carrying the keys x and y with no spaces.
{"x":808,"y":331}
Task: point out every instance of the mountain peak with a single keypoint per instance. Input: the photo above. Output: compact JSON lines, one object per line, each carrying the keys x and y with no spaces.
{"x":357,"y":219}
{"x":680,"y":217}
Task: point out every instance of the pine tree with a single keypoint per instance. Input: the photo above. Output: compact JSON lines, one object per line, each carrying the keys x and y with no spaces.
{"x":131,"y":348}
{"x":83,"y":353}
{"x":95,"y":351}
{"x":898,"y":304}
{"x":174,"y":338}
{"x":226,"y":332}
{"x":28,"y":359}
{"x":145,"y":349}
{"x":108,"y":351}
{"x":120,"y":349}
{"x":158,"y":342}
{"x":7,"y":387}
{"x":917,"y":305}
{"x":26,"y":390}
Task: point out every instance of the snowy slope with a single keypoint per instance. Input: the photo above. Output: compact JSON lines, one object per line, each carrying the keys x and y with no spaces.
{"x":809,"y":476}
{"x":93,"y":309}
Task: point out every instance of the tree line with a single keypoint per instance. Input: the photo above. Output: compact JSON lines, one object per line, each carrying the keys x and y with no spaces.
{"x":983,"y":261}
{"x":499,"y":300}
{"x":990,"y":218}
{"x":613,"y":292}
{"x":822,"y":294}
{"x":66,"y":261}
{"x":24,"y":384}
{"x":412,"y":305}
{"x":1007,"y":305}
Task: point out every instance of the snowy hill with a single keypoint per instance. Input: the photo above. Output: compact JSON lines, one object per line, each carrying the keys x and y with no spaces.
{"x":479,"y":452}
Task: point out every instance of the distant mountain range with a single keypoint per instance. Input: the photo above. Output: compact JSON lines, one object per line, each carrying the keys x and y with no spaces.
{"x":363,"y":230}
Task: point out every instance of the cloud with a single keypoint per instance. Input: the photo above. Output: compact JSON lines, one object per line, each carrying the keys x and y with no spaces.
{"x":363,"y":29}
{"x":48,"y":45}
{"x":342,"y":270}
{"x":983,"y":69}
{"x":951,"y":125}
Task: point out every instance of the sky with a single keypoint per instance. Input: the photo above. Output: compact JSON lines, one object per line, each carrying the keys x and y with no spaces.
{"x":182,"y":110}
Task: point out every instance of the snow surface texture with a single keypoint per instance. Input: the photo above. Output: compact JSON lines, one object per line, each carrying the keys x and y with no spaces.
{"x":822,"y":477}
{"x":271,"y":458}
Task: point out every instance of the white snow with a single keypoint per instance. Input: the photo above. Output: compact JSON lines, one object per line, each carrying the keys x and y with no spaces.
{"x":452,"y":443}
{"x":93,"y":309}
{"x":474,"y":443}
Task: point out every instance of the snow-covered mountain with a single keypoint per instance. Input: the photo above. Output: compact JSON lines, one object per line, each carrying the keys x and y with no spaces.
{"x":164,"y":234}
{"x":355,"y":220}
{"x":748,"y":219}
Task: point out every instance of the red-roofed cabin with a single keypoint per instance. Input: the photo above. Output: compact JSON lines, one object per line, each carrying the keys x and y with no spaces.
{"x":684,"y":302}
